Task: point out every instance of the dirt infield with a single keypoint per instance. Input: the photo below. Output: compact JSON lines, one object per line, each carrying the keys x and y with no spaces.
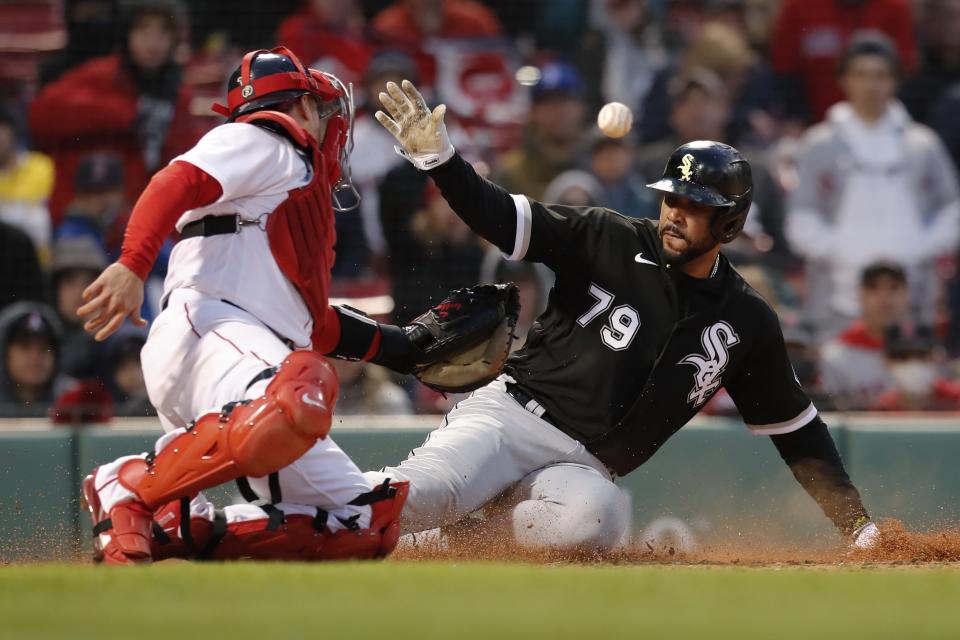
{"x":897,"y":546}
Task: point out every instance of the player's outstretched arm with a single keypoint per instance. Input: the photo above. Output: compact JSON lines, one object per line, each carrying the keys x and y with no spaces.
{"x":118,"y":293}
{"x":815,"y":462}
{"x":422,"y":139}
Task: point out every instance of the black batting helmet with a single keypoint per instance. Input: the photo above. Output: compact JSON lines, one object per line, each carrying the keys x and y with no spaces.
{"x":715,"y":175}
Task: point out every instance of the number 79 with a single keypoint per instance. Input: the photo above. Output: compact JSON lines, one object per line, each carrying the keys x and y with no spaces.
{"x":622,"y":323}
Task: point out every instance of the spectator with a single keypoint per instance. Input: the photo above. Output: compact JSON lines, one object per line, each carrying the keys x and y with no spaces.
{"x":373,"y":155}
{"x":91,"y":32}
{"x":430,"y":250}
{"x":724,"y":51}
{"x":131,"y":103}
{"x":367,"y":390}
{"x":126,"y":374}
{"x":700,"y":110}
{"x":611,"y":163}
{"x":329,"y":35}
{"x":622,"y":56}
{"x":872,"y":184}
{"x":26,"y":179}
{"x":98,"y":199}
{"x":29,"y":380}
{"x":77,"y":262}
{"x":99,"y":213}
{"x":940,"y":63}
{"x":20,"y":275}
{"x":574,"y":188}
{"x":853,"y":366}
{"x":412,"y":21}
{"x":805,"y":358}
{"x":810,"y":37}
{"x":85,"y":402}
{"x":914,"y":360}
{"x":553,"y":135}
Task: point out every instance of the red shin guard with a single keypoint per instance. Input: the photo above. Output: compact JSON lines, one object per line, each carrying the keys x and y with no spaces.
{"x":251,"y":439}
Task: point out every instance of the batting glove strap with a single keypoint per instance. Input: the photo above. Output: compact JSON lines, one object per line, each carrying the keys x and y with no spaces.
{"x":427,"y":161}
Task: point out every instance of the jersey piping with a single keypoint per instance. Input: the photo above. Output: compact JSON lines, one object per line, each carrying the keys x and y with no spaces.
{"x":787,"y":426}
{"x":524,"y":223}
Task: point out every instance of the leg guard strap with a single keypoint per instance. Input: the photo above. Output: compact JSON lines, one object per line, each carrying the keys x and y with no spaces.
{"x":295,"y":537}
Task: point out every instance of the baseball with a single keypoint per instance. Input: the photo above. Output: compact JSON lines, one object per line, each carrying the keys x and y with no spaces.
{"x":615,"y":119}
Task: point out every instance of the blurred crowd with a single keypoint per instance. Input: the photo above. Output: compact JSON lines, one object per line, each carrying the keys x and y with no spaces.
{"x":843,"y":107}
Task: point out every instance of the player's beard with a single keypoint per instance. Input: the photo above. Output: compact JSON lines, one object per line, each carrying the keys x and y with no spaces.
{"x":693,"y":251}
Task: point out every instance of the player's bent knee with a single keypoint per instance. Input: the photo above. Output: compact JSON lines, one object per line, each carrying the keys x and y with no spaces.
{"x":306,"y":385}
{"x":296,"y":411}
{"x":594,"y":520}
{"x":601,"y":526}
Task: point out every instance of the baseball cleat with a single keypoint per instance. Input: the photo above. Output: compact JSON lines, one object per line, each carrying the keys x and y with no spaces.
{"x":121,"y":536}
{"x":91,"y":502}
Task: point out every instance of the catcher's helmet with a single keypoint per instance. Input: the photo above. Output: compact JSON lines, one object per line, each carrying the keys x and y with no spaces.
{"x":715,"y":175}
{"x":268,"y":79}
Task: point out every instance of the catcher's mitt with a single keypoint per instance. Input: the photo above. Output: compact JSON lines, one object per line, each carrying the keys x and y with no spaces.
{"x":463,"y":342}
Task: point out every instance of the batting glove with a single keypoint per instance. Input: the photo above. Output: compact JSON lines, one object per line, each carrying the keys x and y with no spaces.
{"x":421,"y":133}
{"x":866,"y":537}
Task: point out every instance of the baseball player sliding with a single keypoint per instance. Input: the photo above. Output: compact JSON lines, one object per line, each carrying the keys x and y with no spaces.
{"x":647,"y":320}
{"x":233,"y":363}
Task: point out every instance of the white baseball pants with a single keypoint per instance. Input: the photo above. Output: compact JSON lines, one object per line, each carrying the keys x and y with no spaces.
{"x":559,"y":494}
{"x":203,"y":353}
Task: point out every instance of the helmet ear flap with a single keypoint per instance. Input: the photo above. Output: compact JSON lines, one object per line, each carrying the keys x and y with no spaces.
{"x":727,"y":224}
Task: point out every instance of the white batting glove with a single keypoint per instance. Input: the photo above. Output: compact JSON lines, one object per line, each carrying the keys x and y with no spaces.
{"x":866,"y":537}
{"x":421,"y":133}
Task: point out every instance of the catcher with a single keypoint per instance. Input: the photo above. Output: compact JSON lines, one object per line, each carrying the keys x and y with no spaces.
{"x":234,"y":362}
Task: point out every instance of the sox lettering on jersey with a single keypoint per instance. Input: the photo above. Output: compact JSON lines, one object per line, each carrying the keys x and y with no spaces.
{"x":717,"y":340}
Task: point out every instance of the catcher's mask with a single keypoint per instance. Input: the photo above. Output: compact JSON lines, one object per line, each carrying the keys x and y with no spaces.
{"x":271,"y":78}
{"x":712,"y":174}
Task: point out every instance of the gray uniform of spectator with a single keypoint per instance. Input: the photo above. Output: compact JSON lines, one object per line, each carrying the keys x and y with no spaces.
{"x":872,"y":185}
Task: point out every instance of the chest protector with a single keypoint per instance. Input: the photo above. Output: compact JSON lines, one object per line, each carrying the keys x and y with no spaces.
{"x":301,"y":230}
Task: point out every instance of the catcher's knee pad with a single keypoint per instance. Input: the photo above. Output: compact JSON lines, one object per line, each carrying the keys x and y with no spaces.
{"x":251,"y":438}
{"x":305,"y":538}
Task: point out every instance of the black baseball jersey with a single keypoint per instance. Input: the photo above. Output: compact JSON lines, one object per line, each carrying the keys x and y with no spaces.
{"x":630,"y":349}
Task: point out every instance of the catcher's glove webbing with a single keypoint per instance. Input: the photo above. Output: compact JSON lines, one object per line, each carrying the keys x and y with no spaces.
{"x":463,"y":342}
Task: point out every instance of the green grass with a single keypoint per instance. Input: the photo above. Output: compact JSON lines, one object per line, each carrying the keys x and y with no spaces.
{"x":396,"y":600}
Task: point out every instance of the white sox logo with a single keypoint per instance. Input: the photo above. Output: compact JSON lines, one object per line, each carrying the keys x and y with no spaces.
{"x":686,"y":167}
{"x":717,"y":340}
